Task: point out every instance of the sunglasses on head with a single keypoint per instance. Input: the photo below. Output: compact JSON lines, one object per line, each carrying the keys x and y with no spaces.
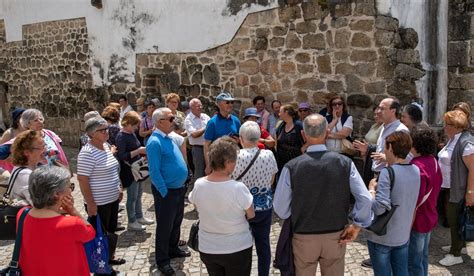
{"x":337,"y":104}
{"x":170,"y":119}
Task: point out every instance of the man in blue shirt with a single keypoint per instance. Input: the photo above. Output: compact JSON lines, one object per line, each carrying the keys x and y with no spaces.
{"x":221,"y":124}
{"x":168,"y":172}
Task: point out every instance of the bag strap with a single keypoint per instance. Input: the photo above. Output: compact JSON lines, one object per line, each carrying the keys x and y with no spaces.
{"x":16,"y":250}
{"x":98,"y":225}
{"x":391,"y":175}
{"x":248,"y":167}
{"x":11,"y":181}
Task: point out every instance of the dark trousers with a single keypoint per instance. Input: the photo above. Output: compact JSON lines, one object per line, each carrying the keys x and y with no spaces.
{"x":169,"y":212}
{"x":238,"y":263}
{"x":108,"y":214}
{"x":260,"y":226}
{"x":453,"y":213}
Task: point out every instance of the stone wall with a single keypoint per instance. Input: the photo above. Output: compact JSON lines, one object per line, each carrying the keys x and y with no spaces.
{"x":461,"y":52}
{"x":302,"y":52}
{"x":299,"y":52}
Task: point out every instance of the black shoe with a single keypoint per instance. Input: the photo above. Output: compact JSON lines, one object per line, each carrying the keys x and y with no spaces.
{"x":120,"y":228}
{"x":166,"y":269}
{"x":367,"y":263}
{"x":116,"y":262}
{"x":180,"y":254}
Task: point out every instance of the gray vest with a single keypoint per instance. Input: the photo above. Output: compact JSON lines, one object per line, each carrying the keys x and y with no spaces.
{"x":320,"y":192}
{"x":459,"y":171}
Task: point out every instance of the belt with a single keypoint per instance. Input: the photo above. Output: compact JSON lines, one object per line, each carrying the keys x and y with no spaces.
{"x":199,"y":146}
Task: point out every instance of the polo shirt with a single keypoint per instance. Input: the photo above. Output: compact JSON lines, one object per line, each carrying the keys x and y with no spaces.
{"x":219,"y":126}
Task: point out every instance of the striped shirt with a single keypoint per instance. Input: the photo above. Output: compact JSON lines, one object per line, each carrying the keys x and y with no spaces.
{"x":102,"y":169}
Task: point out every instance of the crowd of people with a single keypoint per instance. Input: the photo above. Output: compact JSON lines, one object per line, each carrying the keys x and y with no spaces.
{"x":294,"y":162}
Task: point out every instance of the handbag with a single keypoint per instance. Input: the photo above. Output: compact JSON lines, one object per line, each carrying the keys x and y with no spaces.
{"x":139,"y":169}
{"x":13,"y":269}
{"x":97,"y":251}
{"x":379,"y":224}
{"x":347,"y":148}
{"x":466,"y":223}
{"x":8,"y":212}
{"x":249,"y":166}
{"x":193,"y":240}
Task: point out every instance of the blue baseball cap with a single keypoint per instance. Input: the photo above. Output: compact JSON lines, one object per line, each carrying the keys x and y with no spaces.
{"x":224,"y":96}
{"x":251,"y":112}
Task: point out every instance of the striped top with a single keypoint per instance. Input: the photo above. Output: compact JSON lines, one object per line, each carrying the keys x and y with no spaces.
{"x":102,"y":169}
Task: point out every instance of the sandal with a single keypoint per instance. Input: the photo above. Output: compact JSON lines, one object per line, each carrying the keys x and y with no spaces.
{"x":182,"y":243}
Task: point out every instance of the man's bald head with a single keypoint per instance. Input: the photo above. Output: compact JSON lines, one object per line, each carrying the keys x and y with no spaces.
{"x":315,"y":126}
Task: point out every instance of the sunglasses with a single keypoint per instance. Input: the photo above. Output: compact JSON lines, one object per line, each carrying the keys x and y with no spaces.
{"x":229,"y":102}
{"x":103,"y":130}
{"x":303,"y":110}
{"x":170,"y":119}
{"x":72,"y":186}
{"x":337,"y":104}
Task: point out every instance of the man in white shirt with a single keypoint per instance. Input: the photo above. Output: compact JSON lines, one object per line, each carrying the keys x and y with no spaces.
{"x":124,"y":106}
{"x":195,"y":125}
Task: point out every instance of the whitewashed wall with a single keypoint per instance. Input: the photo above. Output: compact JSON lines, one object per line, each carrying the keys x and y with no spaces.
{"x":123,"y":28}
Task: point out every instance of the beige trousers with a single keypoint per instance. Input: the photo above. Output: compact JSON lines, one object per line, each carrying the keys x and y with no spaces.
{"x":309,"y":250}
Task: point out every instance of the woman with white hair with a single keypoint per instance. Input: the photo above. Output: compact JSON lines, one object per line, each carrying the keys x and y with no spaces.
{"x":98,"y":176}
{"x":33,"y":119}
{"x":256,"y":168}
{"x":52,"y":243}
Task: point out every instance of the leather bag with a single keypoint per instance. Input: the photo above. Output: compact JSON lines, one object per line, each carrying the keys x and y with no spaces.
{"x":193,"y":240}
{"x":466,"y":220}
{"x":379,"y":224}
{"x":13,"y":269}
{"x":8,"y":211}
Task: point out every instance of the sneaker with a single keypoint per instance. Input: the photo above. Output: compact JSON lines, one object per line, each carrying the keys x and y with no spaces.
{"x":447,"y":248}
{"x":145,"y":221}
{"x":450,"y":260}
{"x":135,"y":226}
{"x":366,"y":263}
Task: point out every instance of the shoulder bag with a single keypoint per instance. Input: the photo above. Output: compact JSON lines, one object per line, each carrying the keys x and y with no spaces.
{"x":466,"y":223}
{"x":13,"y":269}
{"x":97,"y":251}
{"x":193,"y":240}
{"x":139,"y":169}
{"x":8,"y":212}
{"x":249,"y":166}
{"x":379,"y":224}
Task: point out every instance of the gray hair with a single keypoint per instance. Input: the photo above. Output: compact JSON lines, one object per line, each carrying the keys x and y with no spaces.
{"x":250,"y":131}
{"x":29,"y":116}
{"x":314,"y":125}
{"x":93,"y":123}
{"x":159,"y":114}
{"x":194,"y":101}
{"x":45,"y":183}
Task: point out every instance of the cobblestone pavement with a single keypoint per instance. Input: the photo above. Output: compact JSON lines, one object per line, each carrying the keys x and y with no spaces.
{"x":137,"y":248}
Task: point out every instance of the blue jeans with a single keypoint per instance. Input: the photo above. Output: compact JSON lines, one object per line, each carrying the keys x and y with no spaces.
{"x":418,"y":253}
{"x":134,"y":201}
{"x":260,"y":226}
{"x":389,"y":259}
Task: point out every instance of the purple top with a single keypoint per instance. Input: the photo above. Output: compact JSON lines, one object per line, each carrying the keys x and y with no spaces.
{"x":426,"y":216}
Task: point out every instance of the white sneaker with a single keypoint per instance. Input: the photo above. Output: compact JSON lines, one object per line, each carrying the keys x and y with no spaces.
{"x":450,"y":260}
{"x":447,"y":248}
{"x":145,"y":221}
{"x":135,"y":226}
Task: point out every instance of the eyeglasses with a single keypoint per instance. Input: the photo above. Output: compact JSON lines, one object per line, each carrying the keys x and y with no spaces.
{"x":170,"y":119}
{"x":103,"y":130}
{"x":337,"y":104}
{"x":229,"y":102}
{"x":36,"y":148}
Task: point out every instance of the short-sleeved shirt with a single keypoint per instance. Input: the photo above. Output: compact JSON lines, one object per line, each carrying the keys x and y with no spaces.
{"x":192,"y":123}
{"x":55,"y":246}
{"x":259,"y":177}
{"x":219,"y":126}
{"x":102,"y":169}
{"x":223,"y":228}
{"x":444,"y":158}
{"x":335,"y":144}
{"x":20,"y":193}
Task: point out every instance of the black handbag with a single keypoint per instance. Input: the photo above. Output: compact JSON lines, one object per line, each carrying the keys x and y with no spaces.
{"x":193,"y":240}
{"x":466,"y":221}
{"x":8,"y":212}
{"x":379,"y":224}
{"x":13,"y":269}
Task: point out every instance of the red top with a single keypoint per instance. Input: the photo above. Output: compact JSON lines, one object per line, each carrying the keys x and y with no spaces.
{"x":54,"y":246}
{"x":264,"y":135}
{"x":426,"y":216}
